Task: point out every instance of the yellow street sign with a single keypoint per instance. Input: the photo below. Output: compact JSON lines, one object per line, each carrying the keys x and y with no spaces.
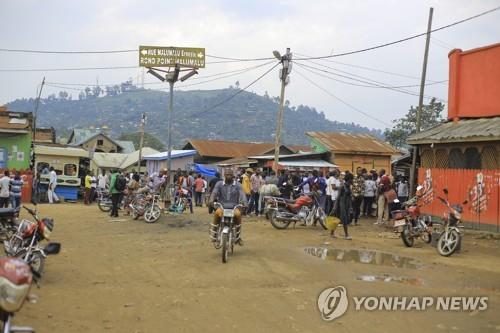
{"x":159,"y":56}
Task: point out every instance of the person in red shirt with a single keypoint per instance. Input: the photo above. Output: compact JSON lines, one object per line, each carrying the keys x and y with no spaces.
{"x":384,"y":185}
{"x":199,"y":184}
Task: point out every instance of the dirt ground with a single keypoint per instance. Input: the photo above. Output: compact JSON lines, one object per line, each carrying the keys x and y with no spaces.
{"x":121,"y":275}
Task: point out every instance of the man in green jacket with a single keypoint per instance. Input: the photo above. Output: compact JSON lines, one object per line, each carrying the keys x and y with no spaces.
{"x":115,"y":193}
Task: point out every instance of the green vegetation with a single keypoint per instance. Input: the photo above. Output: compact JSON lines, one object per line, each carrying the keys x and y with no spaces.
{"x":247,"y":117}
{"x":404,"y":127}
{"x":149,"y":140}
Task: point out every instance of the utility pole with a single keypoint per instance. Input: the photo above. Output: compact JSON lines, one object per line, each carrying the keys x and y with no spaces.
{"x":286,"y":62}
{"x":171,"y":78}
{"x":413,"y":173}
{"x":35,"y":113}
{"x":141,"y":142}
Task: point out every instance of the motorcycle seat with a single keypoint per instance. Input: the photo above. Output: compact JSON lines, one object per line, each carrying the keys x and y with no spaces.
{"x":289,"y":201}
{"x":7,"y":212}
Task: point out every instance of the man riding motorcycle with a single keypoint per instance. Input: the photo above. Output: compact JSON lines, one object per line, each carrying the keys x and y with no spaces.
{"x":229,"y":193}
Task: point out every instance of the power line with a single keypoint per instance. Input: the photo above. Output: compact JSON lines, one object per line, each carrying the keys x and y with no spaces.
{"x":342,"y":101}
{"x":237,"y":93}
{"x":230,"y":59}
{"x":66,"y":69}
{"x":232,"y":73}
{"x":402,"y":39}
{"x":121,"y":51}
{"x":371,"y":85}
{"x":59,"y":86}
{"x":367,"y":68}
{"x":374,"y":83}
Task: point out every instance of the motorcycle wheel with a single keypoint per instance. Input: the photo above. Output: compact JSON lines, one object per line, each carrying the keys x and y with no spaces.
{"x":104,"y":206}
{"x":448,"y":242}
{"x":225,"y":245}
{"x":135,"y":215}
{"x":283,"y":224}
{"x":152,"y":213}
{"x":36,"y":261}
{"x":321,"y":218}
{"x":406,"y":236}
{"x":427,"y":237}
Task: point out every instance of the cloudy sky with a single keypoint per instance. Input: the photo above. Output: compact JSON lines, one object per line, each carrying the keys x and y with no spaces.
{"x":249,"y":29}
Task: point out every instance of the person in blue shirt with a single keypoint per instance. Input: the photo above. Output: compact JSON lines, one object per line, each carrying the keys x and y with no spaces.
{"x":16,"y":187}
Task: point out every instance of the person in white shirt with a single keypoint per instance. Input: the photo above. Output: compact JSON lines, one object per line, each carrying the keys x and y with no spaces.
{"x":328,"y":192}
{"x":102,"y":180}
{"x":370,"y":192}
{"x":51,"y":192}
{"x":335,"y":185}
{"x":4,"y":189}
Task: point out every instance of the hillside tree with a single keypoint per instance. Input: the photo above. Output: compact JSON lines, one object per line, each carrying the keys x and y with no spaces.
{"x":407,"y":125}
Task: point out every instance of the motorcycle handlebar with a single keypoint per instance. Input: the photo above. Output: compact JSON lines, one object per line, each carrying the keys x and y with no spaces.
{"x":32,"y":212}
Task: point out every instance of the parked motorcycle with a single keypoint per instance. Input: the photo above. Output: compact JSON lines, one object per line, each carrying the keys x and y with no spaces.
{"x":306,"y":209}
{"x":227,"y":234}
{"x":25,"y":243}
{"x":104,"y":200}
{"x":146,"y":205}
{"x":410,"y":224}
{"x":8,"y":218}
{"x":450,"y":237}
{"x":15,"y":284}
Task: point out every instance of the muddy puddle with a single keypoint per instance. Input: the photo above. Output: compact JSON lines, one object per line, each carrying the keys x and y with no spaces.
{"x":389,"y":278}
{"x":370,"y":257}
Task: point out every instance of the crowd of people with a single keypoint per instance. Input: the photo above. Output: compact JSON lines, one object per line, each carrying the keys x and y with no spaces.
{"x":10,"y":190}
{"x":345,"y":195}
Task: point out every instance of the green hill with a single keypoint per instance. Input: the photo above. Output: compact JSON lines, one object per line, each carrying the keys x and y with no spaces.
{"x":246,"y":117}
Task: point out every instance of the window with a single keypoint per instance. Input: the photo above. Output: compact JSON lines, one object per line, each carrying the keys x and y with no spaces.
{"x":489,"y":158}
{"x":472,"y":158}
{"x":100,"y":142}
{"x":441,"y":158}
{"x":70,"y":169}
{"x":456,"y":160}
{"x":427,"y":158}
{"x":42,"y":168}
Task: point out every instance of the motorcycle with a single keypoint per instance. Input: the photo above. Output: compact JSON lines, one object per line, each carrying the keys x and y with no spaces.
{"x":8,"y":218}
{"x":306,"y":209}
{"x":15,"y":283}
{"x":147,"y":206}
{"x":450,"y":238}
{"x":25,"y":243}
{"x":103,"y":200}
{"x":227,"y":233}
{"x":410,"y":224}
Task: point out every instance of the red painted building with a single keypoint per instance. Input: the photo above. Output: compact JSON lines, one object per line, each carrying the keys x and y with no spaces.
{"x":463,"y":154}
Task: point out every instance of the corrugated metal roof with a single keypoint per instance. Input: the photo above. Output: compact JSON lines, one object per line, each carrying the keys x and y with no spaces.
{"x":61,"y":151}
{"x":173,"y":154}
{"x":307,"y":164}
{"x":128,"y":146}
{"x":109,"y":160}
{"x":132,"y":158}
{"x":229,"y":149}
{"x":241,"y":161}
{"x":482,"y":129}
{"x":341,"y":142}
{"x":297,"y":149}
{"x":14,"y":121}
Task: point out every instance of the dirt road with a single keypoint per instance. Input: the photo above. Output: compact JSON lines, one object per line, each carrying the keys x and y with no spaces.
{"x":120,"y":275}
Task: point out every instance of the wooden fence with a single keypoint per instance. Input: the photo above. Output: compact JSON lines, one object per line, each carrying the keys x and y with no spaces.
{"x":480,"y":187}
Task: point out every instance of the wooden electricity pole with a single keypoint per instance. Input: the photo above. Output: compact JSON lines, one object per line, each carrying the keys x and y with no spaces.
{"x":141,"y":142}
{"x":413,"y":172}
{"x":284,"y":72}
